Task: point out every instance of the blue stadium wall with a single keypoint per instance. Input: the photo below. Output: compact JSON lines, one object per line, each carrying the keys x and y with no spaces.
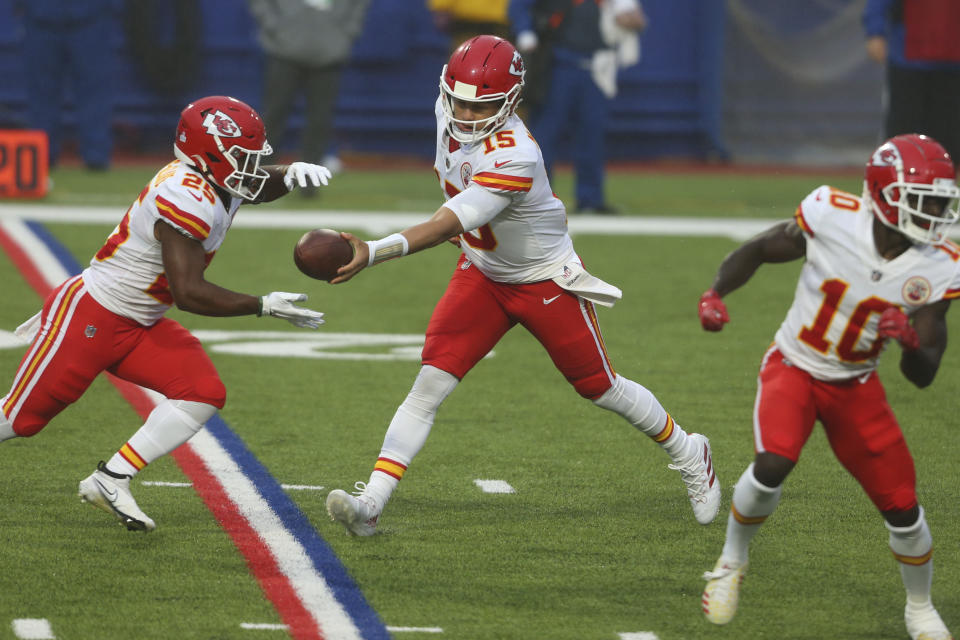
{"x":668,"y":106}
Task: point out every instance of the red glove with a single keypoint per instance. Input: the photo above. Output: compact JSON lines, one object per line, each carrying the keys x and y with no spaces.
{"x":895,"y":324}
{"x":713,"y":313}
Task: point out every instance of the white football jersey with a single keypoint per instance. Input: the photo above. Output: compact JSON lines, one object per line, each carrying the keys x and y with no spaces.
{"x":527,"y":241}
{"x":831,"y":329}
{"x":126,"y":275}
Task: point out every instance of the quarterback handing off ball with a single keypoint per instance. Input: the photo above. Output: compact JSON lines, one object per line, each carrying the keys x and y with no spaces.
{"x":319,"y":253}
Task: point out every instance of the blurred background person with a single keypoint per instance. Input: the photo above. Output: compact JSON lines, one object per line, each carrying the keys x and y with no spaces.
{"x":68,"y":58}
{"x":307,"y":44}
{"x":574,"y":79}
{"x":464,"y":19}
{"x":918,"y":42}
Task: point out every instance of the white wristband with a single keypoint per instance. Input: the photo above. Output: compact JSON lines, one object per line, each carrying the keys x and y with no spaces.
{"x":393,"y":246}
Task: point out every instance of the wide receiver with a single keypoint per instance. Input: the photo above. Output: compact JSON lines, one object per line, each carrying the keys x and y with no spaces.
{"x":878,"y":269}
{"x":111,"y":316}
{"x":518,"y":266}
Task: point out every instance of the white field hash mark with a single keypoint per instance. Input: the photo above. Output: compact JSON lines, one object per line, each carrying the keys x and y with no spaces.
{"x":32,"y":629}
{"x":263,"y":625}
{"x":638,"y":635}
{"x":494,"y":486}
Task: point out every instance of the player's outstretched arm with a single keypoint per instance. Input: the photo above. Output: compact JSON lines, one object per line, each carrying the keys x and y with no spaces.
{"x":782,"y":242}
{"x":443,"y":225}
{"x":920,"y":364}
{"x":284,"y":178}
{"x":184,"y":261}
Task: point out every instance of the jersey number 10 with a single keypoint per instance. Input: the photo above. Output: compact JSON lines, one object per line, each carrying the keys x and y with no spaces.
{"x":814,"y":335}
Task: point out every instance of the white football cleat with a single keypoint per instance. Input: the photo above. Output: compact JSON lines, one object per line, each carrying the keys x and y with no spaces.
{"x":358,"y":513}
{"x":722,"y":593}
{"x":111,"y":492}
{"x":698,"y":474}
{"x":924,"y":623}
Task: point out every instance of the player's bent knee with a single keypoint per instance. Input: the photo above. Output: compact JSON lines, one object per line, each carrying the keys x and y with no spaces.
{"x":592,"y":387}
{"x":902,"y":501}
{"x":208,"y":391}
{"x":27,"y":426}
{"x":431,"y":388}
{"x":771,"y":469}
{"x":902,"y":518}
{"x":30,"y":420}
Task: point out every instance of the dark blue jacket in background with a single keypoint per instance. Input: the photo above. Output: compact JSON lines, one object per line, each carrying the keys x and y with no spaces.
{"x":885,"y":18}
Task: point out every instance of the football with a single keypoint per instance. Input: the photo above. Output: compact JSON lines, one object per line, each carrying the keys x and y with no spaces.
{"x":319,"y":253}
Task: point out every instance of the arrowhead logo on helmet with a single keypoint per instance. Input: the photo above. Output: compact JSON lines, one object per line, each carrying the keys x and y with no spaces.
{"x":217,"y":123}
{"x":516,"y":65}
{"x":887,"y":155}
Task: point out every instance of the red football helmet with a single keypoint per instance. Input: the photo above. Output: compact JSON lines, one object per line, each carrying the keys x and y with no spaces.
{"x":224,"y":139}
{"x":482,"y":69}
{"x":910,"y":185}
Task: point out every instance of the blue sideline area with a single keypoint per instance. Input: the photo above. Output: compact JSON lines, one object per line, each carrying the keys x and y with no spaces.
{"x":669,"y":105}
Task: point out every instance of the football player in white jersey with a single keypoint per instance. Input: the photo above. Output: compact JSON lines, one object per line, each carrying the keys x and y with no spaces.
{"x":111,"y":316}
{"x":877,"y":269}
{"x":518,"y":267}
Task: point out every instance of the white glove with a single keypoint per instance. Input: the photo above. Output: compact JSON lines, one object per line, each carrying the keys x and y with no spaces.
{"x":280,"y":305}
{"x":527,"y":41}
{"x":302,"y":173}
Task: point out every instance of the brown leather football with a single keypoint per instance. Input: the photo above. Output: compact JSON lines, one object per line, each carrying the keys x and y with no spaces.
{"x":319,"y":253}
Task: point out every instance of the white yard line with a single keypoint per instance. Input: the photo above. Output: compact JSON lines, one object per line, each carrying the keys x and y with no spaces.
{"x":375,"y":222}
{"x":187,"y":485}
{"x":159,"y":483}
{"x":265,"y":626}
{"x":384,"y":222}
{"x":51,"y":269}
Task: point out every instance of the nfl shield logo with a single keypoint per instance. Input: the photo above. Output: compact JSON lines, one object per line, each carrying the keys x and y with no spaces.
{"x":90,"y":331}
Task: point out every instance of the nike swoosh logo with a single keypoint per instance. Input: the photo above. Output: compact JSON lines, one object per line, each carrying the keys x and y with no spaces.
{"x":198,"y":197}
{"x":111,"y":495}
{"x":549,"y":300}
{"x":497,"y":165}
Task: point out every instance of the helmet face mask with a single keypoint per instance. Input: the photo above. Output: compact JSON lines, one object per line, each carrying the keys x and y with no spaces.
{"x":225,"y":140}
{"x":909,"y":185}
{"x":470,"y":131}
{"x":247,"y":178}
{"x":924,"y":214}
{"x":484,"y":69}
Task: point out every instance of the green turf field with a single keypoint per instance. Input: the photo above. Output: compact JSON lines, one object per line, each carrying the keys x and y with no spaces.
{"x":599,"y":539}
